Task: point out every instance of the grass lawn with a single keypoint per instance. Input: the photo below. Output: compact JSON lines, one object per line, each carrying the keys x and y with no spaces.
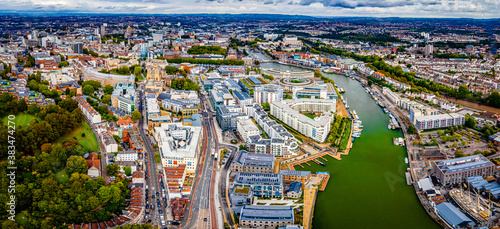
{"x":309,"y":115}
{"x":21,"y":119}
{"x":89,"y":142}
{"x":62,"y":177}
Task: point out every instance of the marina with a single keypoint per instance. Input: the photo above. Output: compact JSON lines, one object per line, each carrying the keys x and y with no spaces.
{"x":386,"y":177}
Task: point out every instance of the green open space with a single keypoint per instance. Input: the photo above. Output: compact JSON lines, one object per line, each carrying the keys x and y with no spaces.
{"x":22,"y":119}
{"x":89,"y":141}
{"x":62,"y":177}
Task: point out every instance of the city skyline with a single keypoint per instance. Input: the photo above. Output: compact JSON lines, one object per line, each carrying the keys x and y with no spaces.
{"x":479,"y":9}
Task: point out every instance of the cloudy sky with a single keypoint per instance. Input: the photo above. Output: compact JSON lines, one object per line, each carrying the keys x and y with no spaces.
{"x":376,"y":8}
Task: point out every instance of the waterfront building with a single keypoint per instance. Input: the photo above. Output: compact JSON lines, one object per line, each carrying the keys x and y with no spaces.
{"x":439,"y":121}
{"x":262,"y":184}
{"x":123,"y":97}
{"x":281,"y":142}
{"x":452,"y":216}
{"x":295,"y":175}
{"x":456,"y":170}
{"x":319,"y":91}
{"x":267,"y":93}
{"x":253,"y":162}
{"x":178,"y":144}
{"x":266,"y":216}
{"x":246,"y":128}
{"x":288,"y":111}
{"x":288,"y":74}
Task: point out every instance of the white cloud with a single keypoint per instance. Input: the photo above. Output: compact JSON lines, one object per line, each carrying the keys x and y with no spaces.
{"x":377,"y":8}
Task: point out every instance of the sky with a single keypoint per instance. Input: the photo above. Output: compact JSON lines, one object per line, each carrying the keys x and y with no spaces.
{"x":362,"y":8}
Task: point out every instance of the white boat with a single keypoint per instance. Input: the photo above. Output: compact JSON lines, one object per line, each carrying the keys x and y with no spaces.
{"x":406,"y":160}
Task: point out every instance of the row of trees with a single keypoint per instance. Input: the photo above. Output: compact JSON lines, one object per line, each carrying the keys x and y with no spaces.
{"x":207,"y":50}
{"x":184,"y":84}
{"x":179,"y":60}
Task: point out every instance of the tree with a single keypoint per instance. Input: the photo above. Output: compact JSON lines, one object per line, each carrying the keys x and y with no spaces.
{"x":112,"y":169}
{"x":63,"y":64}
{"x":106,"y":99}
{"x":136,"y":115}
{"x":137,"y":71}
{"x":33,"y":109}
{"x":22,"y":106}
{"x":76,"y":164}
{"x":266,"y":106}
{"x":470,"y":121}
{"x":108,"y":89}
{"x":88,"y":89}
{"x":128,"y":170}
{"x":242,"y":147}
{"x":412,"y":129}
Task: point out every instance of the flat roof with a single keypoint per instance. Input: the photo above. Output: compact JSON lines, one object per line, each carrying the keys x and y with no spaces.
{"x":266,"y":213}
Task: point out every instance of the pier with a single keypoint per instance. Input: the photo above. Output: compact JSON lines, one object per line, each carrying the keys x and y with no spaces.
{"x":299,"y":162}
{"x":326,"y":178}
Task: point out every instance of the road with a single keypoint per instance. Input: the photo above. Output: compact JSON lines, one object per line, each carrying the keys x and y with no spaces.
{"x":223,"y":184}
{"x":200,"y":213}
{"x":152,"y":178}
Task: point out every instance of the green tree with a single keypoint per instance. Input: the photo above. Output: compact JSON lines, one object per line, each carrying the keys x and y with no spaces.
{"x":108,"y":89}
{"x":136,"y":115}
{"x":470,"y":121}
{"x":88,"y":89}
{"x":128,"y":170}
{"x":112,"y":169}
{"x":137,"y":71}
{"x":63,"y":64}
{"x":266,"y":106}
{"x":412,"y":129}
{"x":76,"y":164}
{"x":106,"y":99}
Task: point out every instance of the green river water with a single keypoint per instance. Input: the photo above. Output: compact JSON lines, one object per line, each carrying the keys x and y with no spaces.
{"x":367,"y":189}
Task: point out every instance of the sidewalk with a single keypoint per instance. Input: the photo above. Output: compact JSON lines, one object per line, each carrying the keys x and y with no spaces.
{"x":220,"y":220}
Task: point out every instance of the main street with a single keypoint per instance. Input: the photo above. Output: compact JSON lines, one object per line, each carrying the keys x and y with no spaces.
{"x":199,"y":213}
{"x":151,"y":168}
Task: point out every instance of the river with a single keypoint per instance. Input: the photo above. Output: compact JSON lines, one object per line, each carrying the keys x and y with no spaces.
{"x":367,"y":189}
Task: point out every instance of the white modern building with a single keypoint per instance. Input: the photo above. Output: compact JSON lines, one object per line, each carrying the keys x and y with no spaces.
{"x":288,"y":111}
{"x":438,"y":121}
{"x":128,"y":155}
{"x":178,"y":144}
{"x":267,"y":93}
{"x":246,"y":128}
{"x":123,"y":97}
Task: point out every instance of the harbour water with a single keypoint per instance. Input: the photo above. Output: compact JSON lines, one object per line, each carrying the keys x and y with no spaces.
{"x":367,"y":189}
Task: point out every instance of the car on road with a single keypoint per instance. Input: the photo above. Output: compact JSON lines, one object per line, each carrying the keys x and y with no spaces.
{"x":153,"y":206}
{"x":147,"y":206}
{"x":159,"y":211}
{"x":157,"y":194}
{"x":164,"y":199}
{"x":205,"y":219}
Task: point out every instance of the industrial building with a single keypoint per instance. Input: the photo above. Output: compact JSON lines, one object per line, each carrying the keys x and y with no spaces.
{"x":456,"y":170}
{"x":253,"y":162}
{"x":266,"y":216}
